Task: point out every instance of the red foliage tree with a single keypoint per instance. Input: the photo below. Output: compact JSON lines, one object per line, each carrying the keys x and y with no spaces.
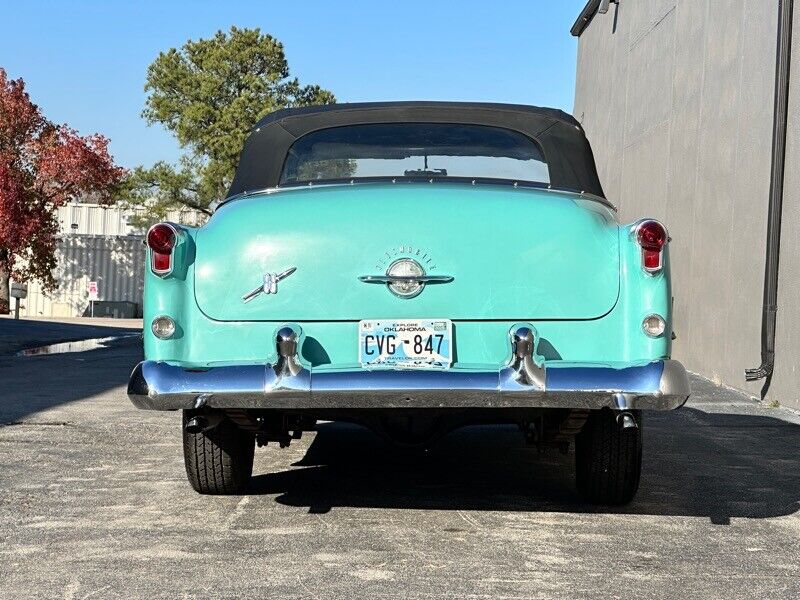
{"x":42,"y":166}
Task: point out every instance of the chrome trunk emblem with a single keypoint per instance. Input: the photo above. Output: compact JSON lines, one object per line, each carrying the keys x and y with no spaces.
{"x":270,"y":285}
{"x":406,"y":278}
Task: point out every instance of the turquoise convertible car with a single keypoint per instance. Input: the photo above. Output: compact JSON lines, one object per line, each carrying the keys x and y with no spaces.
{"x":413,"y":267}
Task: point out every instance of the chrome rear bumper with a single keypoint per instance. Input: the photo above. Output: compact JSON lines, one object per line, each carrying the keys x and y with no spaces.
{"x":526,"y":382}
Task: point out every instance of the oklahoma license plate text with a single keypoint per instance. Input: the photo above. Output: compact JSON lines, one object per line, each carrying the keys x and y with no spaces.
{"x":405,"y":343}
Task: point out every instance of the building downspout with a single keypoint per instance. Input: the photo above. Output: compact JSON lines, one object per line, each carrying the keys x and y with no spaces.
{"x":770,"y":306}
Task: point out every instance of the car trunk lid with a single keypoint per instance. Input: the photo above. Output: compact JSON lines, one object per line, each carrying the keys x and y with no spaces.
{"x":513,"y":253}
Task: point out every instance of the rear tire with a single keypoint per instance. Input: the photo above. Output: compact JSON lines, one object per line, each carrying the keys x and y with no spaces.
{"x":608,"y":458}
{"x":220,"y":460}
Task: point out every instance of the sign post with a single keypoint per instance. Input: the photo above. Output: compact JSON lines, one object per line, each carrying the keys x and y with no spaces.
{"x":18,"y":291}
{"x":93,"y":294}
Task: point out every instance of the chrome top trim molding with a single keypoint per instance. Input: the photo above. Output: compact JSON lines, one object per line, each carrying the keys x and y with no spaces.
{"x":466,"y":181}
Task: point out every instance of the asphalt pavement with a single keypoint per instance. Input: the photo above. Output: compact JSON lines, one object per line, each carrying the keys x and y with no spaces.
{"x":94,"y":503}
{"x":19,"y":334}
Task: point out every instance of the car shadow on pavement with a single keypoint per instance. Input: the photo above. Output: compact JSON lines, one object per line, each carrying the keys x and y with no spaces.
{"x":696,"y":463}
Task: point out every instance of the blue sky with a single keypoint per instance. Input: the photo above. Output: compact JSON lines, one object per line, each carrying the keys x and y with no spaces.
{"x":85,"y":61}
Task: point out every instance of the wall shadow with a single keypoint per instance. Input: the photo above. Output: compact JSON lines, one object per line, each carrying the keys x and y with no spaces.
{"x":19,"y":334}
{"x":37,"y":383}
{"x":717,"y":466}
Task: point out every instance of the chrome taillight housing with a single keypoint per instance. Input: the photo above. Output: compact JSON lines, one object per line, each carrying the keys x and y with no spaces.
{"x":651,"y":237}
{"x":161,"y":239}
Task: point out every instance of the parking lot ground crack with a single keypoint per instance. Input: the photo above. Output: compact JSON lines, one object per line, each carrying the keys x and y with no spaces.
{"x":39,"y":423}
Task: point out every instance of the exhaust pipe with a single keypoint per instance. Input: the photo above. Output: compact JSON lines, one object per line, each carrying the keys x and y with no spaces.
{"x":627,"y":421}
{"x":200,"y":423}
{"x":196,"y":425}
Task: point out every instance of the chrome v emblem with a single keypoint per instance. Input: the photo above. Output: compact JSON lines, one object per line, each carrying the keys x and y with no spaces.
{"x":270,"y":285}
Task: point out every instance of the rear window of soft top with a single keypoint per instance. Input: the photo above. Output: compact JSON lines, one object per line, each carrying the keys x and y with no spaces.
{"x":412,"y":151}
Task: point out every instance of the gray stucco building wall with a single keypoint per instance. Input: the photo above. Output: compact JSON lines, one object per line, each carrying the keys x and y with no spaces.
{"x":786,"y":385}
{"x":676,"y":97}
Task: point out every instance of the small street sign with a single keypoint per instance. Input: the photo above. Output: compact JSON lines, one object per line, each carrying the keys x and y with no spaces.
{"x":19,"y":290}
{"x":93,"y":293}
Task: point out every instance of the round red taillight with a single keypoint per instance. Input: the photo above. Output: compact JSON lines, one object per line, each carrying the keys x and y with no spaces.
{"x":161,"y":238}
{"x":651,"y":236}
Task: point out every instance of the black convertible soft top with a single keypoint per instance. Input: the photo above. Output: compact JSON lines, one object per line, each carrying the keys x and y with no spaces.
{"x":560,"y":136}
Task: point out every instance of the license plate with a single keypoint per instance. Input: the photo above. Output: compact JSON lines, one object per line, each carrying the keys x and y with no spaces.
{"x":406,"y":343}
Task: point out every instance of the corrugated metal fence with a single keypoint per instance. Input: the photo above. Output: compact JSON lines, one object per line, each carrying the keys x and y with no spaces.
{"x":97,"y":243}
{"x":94,"y":219}
{"x":116,"y":263}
